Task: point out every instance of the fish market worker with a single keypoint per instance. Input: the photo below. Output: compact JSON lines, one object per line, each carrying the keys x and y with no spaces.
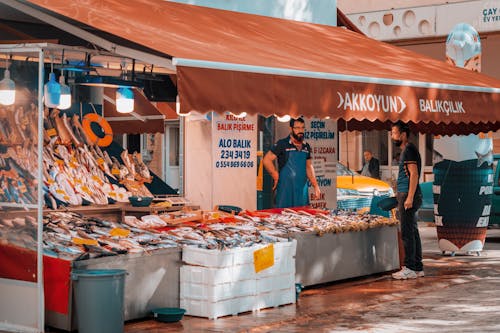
{"x":294,"y":168}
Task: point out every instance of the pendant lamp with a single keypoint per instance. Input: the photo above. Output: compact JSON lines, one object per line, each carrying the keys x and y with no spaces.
{"x":65,"y":99}
{"x":7,"y":88}
{"x":52,"y":90}
{"x":124,"y":100}
{"x":284,"y":119}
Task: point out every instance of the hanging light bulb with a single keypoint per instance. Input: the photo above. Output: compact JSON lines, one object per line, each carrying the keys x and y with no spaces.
{"x":7,"y":88}
{"x":239,"y":115}
{"x":52,"y":89}
{"x":284,"y":119}
{"x":65,"y":100}
{"x":124,"y":100}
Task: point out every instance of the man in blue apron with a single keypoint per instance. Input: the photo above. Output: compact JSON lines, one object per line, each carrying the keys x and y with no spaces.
{"x":295,"y":168}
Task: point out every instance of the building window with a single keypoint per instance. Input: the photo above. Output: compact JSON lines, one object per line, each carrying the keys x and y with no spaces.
{"x":376,"y":142}
{"x":173,"y":142}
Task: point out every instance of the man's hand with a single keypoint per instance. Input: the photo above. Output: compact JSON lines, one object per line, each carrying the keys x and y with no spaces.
{"x":408,"y":204}
{"x":317,"y":193}
{"x":276,"y":177}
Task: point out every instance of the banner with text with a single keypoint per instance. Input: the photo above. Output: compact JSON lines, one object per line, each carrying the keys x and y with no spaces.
{"x":322,"y":136}
{"x":234,"y":149}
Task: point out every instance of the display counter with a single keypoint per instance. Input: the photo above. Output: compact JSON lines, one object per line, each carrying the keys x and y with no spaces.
{"x":338,"y":256}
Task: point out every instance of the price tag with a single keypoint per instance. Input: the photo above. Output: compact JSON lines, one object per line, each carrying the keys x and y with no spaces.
{"x":263,"y":258}
{"x":115,"y":171}
{"x":119,"y":232}
{"x":100,"y":161}
{"x":59,"y":162}
{"x":59,"y":191}
{"x":51,"y":132}
{"x":84,"y":241}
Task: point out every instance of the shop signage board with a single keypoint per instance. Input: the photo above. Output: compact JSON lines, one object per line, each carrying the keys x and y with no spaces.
{"x":221,"y":160}
{"x":321,"y":134}
{"x":234,"y":159}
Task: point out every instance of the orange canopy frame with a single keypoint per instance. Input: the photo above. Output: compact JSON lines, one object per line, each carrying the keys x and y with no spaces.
{"x":229,"y":61}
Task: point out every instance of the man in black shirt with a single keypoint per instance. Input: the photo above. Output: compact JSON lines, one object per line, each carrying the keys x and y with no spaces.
{"x":409,"y":198}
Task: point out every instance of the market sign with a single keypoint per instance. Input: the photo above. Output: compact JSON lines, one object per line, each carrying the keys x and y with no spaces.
{"x":234,"y":159}
{"x":321,"y":134}
{"x":491,"y":14}
{"x":370,"y":102}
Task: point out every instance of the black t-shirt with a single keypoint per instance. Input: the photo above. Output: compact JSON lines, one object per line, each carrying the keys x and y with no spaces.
{"x":284,"y":146}
{"x":410,"y":155}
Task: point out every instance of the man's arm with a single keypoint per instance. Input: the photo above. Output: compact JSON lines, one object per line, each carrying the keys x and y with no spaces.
{"x":413,"y":179}
{"x":268,"y":162}
{"x":312,"y":178}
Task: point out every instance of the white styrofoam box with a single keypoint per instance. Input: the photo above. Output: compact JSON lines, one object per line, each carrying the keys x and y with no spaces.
{"x":276,"y":282}
{"x":274,"y":298}
{"x":214,"y":275}
{"x":213,"y":310}
{"x":238,"y":256}
{"x":208,"y":258}
{"x":218,"y":292}
{"x":243,"y":272}
{"x":244,"y":255}
{"x":281,"y":266}
{"x":205,"y":275}
{"x":285,"y":249}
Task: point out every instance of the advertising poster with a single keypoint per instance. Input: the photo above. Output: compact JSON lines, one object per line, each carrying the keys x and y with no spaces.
{"x":234,"y":146}
{"x":321,"y":134}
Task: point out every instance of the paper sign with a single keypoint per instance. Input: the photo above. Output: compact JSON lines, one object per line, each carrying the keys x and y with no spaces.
{"x":263,"y":258}
{"x":319,"y":167}
{"x":83,"y":241}
{"x":119,"y":232}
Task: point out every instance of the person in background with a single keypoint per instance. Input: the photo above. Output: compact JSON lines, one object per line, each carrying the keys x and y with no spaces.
{"x":409,"y":197}
{"x":294,"y":168}
{"x":371,"y":165}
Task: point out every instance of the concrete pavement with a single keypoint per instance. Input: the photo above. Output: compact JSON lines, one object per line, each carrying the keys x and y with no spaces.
{"x":458,"y":294}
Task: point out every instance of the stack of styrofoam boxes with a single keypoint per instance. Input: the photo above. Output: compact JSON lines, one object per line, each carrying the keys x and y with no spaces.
{"x":216,"y":283}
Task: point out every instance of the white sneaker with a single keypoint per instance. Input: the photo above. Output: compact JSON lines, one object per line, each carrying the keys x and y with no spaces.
{"x":404,"y":274}
{"x":420,"y":273}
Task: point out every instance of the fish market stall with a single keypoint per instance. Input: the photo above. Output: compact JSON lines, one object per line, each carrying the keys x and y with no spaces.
{"x":335,"y":246}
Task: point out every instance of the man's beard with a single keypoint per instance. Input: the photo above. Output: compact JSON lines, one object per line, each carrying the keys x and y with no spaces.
{"x":299,"y":137}
{"x":398,"y":143}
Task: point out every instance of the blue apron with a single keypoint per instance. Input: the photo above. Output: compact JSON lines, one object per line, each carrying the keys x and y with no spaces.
{"x":292,"y":190}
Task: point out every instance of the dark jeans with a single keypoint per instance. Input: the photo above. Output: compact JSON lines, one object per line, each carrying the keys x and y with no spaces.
{"x":409,"y":231}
